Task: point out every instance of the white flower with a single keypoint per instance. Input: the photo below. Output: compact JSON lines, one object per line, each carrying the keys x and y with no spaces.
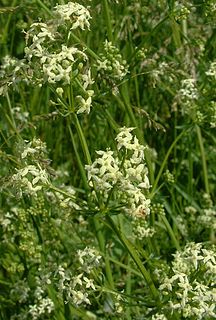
{"x":59,"y":91}
{"x":189,"y":89}
{"x":28,"y":178}
{"x":104,"y":170}
{"x":78,"y":297}
{"x":77,"y":280}
{"x":128,"y":176}
{"x":89,"y":283}
{"x":124,"y":138}
{"x":212,"y":70}
{"x":87,"y":80}
{"x":46,"y":306}
{"x":74,"y":13}
{"x":88,"y":258}
{"x":84,"y":105}
{"x":111,"y":62}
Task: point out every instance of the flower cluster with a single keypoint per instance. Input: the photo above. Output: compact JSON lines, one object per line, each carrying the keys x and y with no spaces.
{"x":76,"y":287}
{"x":111,"y":64}
{"x":188,"y":90}
{"x":30,"y":179}
{"x":126,"y":176}
{"x":42,"y":307}
{"x":31,"y":175}
{"x":212,"y":70}
{"x":182,"y":11}
{"x":192,"y":296}
{"x":89,"y":258}
{"x":199,"y":219}
{"x":49,"y":59}
{"x":12,"y":70}
{"x":74,"y":14}
{"x":35,"y":148}
{"x":141,"y":228}
{"x":188,"y":96}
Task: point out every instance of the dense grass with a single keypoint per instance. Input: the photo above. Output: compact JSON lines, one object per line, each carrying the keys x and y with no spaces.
{"x":127,"y":232}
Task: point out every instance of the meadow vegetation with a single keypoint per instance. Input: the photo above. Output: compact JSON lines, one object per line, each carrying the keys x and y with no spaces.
{"x":107,"y":159}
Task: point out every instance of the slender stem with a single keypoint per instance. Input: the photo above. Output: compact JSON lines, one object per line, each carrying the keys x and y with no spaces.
{"x":97,"y":224}
{"x":176,"y":33}
{"x":46,"y":9}
{"x":108,"y":20}
{"x":125,"y":98}
{"x":190,"y":176}
{"x":82,"y":140}
{"x":11,"y":117}
{"x":126,"y":267}
{"x":132,"y":251}
{"x":5,"y":31}
{"x":128,"y":290}
{"x":91,"y":52}
{"x":164,"y":162}
{"x":111,"y":120}
{"x":82,"y":171}
{"x":203,"y":157}
{"x":170,"y":231}
{"x":184,"y":29}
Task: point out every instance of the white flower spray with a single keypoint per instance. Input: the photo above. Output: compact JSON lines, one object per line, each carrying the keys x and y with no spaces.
{"x":123,"y":176}
{"x":52,"y":59}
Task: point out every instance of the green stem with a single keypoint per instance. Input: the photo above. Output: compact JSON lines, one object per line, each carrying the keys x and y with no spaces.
{"x":124,"y":94}
{"x":82,"y":171}
{"x":190,"y":176}
{"x":5,"y":31}
{"x":108,"y":20}
{"x":111,"y":120}
{"x":46,"y":9}
{"x":132,"y":251}
{"x":97,"y":224}
{"x":82,"y":140}
{"x":125,"y":267}
{"x":128,"y":290}
{"x":184,"y":30}
{"x":170,"y":231}
{"x":176,"y":33}
{"x":164,"y":162}
{"x":11,"y":117}
{"x":203,"y":157}
{"x":91,"y":52}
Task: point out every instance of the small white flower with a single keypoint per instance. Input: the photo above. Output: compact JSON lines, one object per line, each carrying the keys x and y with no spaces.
{"x":74,"y":13}
{"x":77,"y":280}
{"x":189,"y":89}
{"x":89,"y":283}
{"x":78,"y":297}
{"x":212,"y":70}
{"x":84,"y":105}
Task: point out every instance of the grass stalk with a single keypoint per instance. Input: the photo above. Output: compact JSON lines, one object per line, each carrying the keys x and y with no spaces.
{"x":44,"y":7}
{"x":203,"y":157}
{"x":170,"y":231}
{"x":82,"y":139}
{"x":132,"y":251}
{"x":164,"y":163}
{"x":108,"y":20}
{"x":128,"y":290}
{"x":79,"y":162}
